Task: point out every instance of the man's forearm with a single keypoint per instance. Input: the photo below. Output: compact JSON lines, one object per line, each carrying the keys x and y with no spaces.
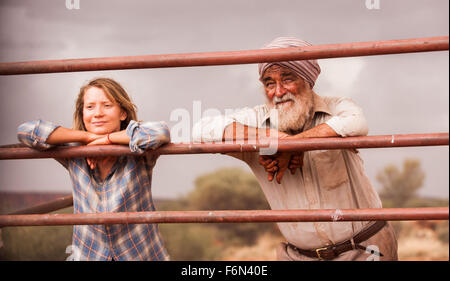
{"x":238,"y":131}
{"x":320,"y":131}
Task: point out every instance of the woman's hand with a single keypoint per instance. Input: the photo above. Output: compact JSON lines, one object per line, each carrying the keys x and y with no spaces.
{"x":100,"y":140}
{"x":91,"y":137}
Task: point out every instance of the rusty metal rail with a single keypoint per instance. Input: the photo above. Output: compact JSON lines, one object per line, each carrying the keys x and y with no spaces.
{"x":16,"y":151}
{"x":47,"y":207}
{"x":196,"y":148}
{"x":226,"y":58}
{"x":231,"y":216}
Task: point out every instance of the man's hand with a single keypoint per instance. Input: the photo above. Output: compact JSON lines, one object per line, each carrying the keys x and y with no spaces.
{"x":296,"y":162}
{"x":277,"y":164}
{"x":270,"y":164}
{"x":283,"y":164}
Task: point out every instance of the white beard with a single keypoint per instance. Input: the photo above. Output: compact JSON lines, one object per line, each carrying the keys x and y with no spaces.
{"x":293,"y":115}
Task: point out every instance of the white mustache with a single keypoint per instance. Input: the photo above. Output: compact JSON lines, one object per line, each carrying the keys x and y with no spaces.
{"x":287,"y":97}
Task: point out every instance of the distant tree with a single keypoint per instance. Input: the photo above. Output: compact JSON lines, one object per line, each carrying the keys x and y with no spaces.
{"x":227,"y":189}
{"x":231,"y":189}
{"x":399,"y":187}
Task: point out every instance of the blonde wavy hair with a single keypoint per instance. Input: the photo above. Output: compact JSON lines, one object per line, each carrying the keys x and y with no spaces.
{"x":115,"y":92}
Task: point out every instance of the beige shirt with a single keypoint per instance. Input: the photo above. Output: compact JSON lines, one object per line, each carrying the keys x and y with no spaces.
{"x":329,"y":179}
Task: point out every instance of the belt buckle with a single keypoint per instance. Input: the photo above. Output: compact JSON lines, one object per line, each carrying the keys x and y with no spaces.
{"x":318,"y":252}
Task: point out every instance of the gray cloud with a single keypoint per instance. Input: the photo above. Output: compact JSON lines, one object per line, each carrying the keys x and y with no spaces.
{"x":399,"y":93}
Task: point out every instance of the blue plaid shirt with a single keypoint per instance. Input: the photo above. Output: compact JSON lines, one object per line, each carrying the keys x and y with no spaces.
{"x":127,"y":188}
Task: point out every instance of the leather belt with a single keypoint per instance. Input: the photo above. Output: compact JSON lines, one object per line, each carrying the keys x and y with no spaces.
{"x":332,"y":251}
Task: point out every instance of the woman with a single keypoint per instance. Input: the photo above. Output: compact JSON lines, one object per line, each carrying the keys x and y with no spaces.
{"x":104,"y":114}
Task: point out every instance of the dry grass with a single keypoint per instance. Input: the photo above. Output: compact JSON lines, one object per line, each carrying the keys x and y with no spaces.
{"x":420,"y":249}
{"x":416,"y":242}
{"x":263,"y":250}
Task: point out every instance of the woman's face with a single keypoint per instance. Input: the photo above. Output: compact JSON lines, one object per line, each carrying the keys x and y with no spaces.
{"x":101,"y":115}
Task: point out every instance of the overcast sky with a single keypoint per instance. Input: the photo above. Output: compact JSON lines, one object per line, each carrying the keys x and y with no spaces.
{"x":400,"y":94}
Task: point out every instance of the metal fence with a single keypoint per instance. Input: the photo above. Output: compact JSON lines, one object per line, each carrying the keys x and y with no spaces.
{"x":37,"y":215}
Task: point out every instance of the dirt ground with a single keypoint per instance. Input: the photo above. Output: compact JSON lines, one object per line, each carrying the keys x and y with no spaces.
{"x":417,"y":241}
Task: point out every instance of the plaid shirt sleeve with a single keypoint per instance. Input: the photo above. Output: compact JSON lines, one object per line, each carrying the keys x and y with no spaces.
{"x":147,"y":135}
{"x":35,"y":134}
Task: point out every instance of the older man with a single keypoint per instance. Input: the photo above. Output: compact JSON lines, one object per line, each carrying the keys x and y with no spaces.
{"x":325,"y":179}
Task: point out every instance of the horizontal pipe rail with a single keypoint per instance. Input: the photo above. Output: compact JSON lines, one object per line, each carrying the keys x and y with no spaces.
{"x":239,"y":216}
{"x":227,"y":58}
{"x":224,"y":147}
{"x":51,"y":206}
{"x":47,"y":207}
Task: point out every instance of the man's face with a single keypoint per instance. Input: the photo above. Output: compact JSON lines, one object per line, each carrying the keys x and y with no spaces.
{"x":287,"y":92}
